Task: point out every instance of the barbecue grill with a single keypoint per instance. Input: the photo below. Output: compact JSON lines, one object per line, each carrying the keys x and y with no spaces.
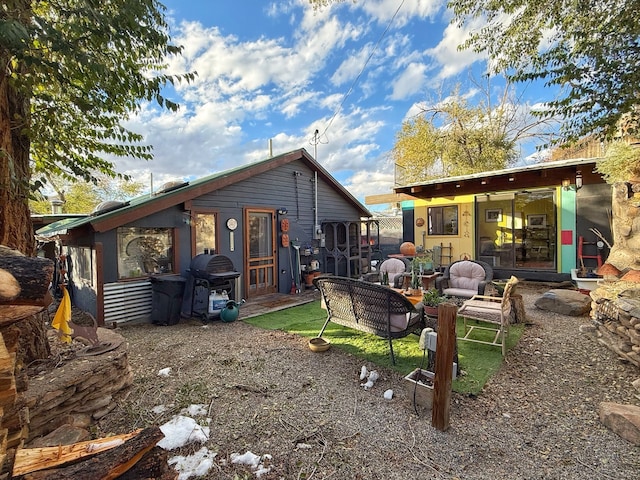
{"x":207,"y":273}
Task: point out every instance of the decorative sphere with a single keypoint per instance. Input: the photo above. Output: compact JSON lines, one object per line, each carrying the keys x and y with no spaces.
{"x":408,"y":249}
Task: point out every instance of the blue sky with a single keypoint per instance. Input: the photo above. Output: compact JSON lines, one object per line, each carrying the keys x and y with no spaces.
{"x":280,"y":71}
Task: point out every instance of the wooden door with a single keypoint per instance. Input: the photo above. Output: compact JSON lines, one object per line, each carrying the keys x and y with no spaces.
{"x":260,"y":252}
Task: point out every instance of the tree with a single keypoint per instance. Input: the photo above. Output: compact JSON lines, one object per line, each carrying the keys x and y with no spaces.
{"x":73,"y":72}
{"x":83,"y":197}
{"x":453,"y":137}
{"x":589,"y":49}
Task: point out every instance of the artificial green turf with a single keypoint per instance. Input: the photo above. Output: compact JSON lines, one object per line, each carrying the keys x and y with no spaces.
{"x":477,"y":360}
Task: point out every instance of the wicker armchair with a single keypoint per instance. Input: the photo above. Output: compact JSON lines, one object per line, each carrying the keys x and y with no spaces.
{"x":465,"y":278}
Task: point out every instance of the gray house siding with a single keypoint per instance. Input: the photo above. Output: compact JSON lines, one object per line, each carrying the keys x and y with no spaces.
{"x":285,"y":182}
{"x":85,"y":296}
{"x":291,"y":187}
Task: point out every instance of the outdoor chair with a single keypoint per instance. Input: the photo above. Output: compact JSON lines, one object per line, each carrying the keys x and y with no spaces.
{"x":369,"y":308}
{"x":465,"y":278}
{"x":395,"y":268}
{"x":491,"y":311}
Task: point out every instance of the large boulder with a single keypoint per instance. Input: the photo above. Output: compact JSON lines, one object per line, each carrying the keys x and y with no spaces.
{"x":622,"y":419}
{"x":566,"y":302}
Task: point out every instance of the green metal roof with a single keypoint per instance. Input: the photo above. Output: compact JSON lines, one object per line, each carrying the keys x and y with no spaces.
{"x":180,"y":192}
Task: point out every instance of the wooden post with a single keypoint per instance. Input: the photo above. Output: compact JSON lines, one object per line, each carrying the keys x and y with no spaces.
{"x":445,"y":348}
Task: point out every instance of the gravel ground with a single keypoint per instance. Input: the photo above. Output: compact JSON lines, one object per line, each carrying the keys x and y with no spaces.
{"x":267,"y":393}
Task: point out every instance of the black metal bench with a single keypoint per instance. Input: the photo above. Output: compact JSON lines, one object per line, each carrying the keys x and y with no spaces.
{"x":369,"y":308}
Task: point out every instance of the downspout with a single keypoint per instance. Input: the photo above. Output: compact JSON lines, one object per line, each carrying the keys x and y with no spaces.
{"x":315,"y":207}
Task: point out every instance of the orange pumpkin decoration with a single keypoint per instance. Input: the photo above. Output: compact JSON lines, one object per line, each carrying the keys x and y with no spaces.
{"x":408,"y":249}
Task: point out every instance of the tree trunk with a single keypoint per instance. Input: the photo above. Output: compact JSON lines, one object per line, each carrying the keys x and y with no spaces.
{"x":16,"y":230}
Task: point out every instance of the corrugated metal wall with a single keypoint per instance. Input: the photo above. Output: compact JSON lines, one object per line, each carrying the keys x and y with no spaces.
{"x":127,"y":301}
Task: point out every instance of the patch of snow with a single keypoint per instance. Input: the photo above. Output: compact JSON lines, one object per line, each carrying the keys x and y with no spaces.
{"x":197,"y":464}
{"x":180,"y":431}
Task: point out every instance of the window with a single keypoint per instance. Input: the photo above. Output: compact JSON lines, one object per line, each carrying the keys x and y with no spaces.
{"x":143,"y":251}
{"x":205,"y":232}
{"x":443,"y":220}
{"x":82,"y":258}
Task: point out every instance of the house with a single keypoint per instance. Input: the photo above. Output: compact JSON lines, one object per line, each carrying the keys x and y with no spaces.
{"x":524,"y":221}
{"x":265,"y":221}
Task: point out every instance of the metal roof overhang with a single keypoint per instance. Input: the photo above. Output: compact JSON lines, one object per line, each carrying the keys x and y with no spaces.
{"x":546,"y":174}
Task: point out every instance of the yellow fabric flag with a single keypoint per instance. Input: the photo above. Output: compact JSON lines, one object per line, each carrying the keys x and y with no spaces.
{"x":62,"y":317}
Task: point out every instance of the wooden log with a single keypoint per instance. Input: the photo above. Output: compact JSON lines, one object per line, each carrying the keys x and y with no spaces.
{"x":153,"y":466}
{"x":29,"y":460}
{"x":9,"y":286}
{"x":33,"y":274}
{"x":517,"y":304}
{"x":14,"y":313}
{"x":107,"y":465}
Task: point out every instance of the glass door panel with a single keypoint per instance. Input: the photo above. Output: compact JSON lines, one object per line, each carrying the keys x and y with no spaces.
{"x":517,"y":230}
{"x":496,"y":240}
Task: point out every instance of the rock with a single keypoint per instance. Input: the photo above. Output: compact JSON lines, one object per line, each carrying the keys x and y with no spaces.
{"x":623,"y":420}
{"x":588,"y":329}
{"x":566,"y":302}
{"x":636,"y":384}
{"x":64,"y":435}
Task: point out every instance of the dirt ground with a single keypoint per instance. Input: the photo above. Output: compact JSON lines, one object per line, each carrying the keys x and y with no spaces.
{"x":267,"y":393}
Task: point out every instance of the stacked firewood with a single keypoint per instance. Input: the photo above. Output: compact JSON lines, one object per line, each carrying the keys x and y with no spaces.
{"x":616,"y":309}
{"x":24,"y":297}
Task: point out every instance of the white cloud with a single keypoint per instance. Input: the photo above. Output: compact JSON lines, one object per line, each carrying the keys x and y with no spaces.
{"x":410,"y":82}
{"x":383,"y":10}
{"x":447,"y":58}
{"x":255,"y":86}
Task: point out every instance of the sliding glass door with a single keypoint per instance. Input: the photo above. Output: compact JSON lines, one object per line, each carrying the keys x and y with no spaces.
{"x":517,"y":229}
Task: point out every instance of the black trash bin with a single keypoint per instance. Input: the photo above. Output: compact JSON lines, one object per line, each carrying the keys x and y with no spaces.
{"x":166,"y":299}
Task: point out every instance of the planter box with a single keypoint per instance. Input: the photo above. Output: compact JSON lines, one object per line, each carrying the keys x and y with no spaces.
{"x":421,"y":383}
{"x":584,"y":283}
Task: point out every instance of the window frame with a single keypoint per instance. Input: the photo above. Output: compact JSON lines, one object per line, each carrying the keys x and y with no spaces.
{"x":441,"y":231}
{"x":131,"y":266}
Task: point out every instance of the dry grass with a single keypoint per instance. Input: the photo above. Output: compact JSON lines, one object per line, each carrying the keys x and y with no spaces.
{"x":266,"y":392}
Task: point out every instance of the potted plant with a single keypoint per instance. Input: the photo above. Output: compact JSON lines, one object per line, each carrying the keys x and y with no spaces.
{"x":423,"y":263}
{"x":430,"y":300}
{"x":416,"y":283}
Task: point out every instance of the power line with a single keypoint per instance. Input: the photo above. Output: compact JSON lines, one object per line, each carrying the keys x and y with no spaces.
{"x":355,"y":81}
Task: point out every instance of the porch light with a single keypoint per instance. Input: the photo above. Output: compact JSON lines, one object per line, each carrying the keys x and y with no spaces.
{"x":578,"y":179}
{"x":566,"y":183}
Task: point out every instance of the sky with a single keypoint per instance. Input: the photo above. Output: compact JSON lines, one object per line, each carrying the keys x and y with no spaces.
{"x":272,"y":73}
